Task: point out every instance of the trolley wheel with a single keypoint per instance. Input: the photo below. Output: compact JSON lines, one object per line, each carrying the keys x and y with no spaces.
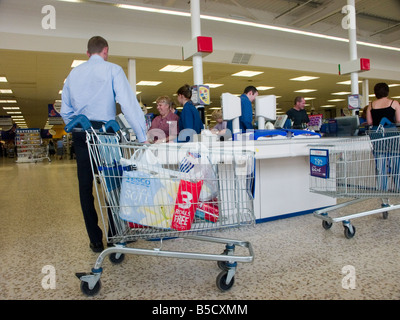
{"x":113,"y":258}
{"x":90,"y":292}
{"x":222,"y":265}
{"x":326,"y":225}
{"x":348,"y":234}
{"x":385,"y":215}
{"x":221,"y":281}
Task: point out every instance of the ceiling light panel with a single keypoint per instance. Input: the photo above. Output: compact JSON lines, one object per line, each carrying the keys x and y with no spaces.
{"x":76,"y":63}
{"x":3,"y":79}
{"x":148,"y":83}
{"x":175,"y":68}
{"x":306,"y":90}
{"x":247,"y":73}
{"x":304,"y":78}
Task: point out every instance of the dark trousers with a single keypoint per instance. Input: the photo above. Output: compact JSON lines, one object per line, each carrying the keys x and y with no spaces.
{"x":85,"y":179}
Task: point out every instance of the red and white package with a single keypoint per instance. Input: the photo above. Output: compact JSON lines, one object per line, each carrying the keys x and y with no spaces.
{"x":186,"y":204}
{"x":208,"y":211}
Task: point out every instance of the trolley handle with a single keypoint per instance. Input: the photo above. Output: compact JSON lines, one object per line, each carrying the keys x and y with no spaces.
{"x":80,"y":120}
{"x":111,"y":124}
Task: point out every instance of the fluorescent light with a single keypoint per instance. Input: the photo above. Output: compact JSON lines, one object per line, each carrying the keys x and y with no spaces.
{"x":247,"y":73}
{"x":306,"y":90}
{"x":148,"y":83}
{"x":346,"y":82}
{"x":214,"y":85}
{"x":175,"y":68}
{"x":6,"y":91}
{"x":76,"y":63}
{"x":14,"y":112}
{"x":394,"y":85}
{"x":396,"y":97}
{"x":328,"y":106}
{"x":17,"y":117}
{"x":309,"y":98}
{"x":252,"y":24}
{"x":336,"y":100}
{"x":11,"y":108}
{"x":154,"y":10}
{"x":8,"y":101}
{"x":262,"y":88}
{"x":341,"y":93}
{"x":3,"y":79}
{"x":304,"y":78}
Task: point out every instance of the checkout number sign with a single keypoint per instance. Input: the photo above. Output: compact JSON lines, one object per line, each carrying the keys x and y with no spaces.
{"x":319,"y":163}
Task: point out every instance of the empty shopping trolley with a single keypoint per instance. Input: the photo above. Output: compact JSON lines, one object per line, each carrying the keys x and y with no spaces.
{"x":162,"y":191}
{"x":358,"y":168}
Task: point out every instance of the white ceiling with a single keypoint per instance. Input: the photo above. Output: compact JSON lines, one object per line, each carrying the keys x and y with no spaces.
{"x":36,"y":77}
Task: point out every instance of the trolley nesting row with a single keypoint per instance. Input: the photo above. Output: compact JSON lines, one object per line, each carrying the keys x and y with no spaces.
{"x":154,"y":192}
{"x":360,"y":168}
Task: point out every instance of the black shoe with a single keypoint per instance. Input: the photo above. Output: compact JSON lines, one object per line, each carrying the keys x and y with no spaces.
{"x":97,"y":246}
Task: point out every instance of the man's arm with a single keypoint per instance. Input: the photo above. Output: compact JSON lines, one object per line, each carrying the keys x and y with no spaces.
{"x":130,"y":107}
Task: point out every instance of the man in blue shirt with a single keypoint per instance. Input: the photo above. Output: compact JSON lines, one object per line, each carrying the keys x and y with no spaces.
{"x":246,"y":119}
{"x":92,"y":89}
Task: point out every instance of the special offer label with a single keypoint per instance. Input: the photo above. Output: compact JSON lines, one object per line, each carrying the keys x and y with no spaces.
{"x":319,"y":163}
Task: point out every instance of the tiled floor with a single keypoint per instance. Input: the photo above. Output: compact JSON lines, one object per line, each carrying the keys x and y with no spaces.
{"x":42,"y":227}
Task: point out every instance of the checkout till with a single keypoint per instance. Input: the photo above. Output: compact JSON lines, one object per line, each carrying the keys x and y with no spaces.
{"x":265,"y":110}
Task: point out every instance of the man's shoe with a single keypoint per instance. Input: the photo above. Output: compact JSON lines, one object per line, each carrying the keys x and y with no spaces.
{"x":97,"y":246}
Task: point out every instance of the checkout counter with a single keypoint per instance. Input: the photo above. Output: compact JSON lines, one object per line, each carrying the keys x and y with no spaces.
{"x":282,"y":168}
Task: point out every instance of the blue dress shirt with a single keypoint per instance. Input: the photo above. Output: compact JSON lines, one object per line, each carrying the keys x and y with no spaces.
{"x":92,"y":89}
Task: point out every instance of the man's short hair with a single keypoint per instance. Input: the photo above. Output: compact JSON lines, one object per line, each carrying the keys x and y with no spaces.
{"x":96,"y":44}
{"x":250,"y":88}
{"x":297,"y":99}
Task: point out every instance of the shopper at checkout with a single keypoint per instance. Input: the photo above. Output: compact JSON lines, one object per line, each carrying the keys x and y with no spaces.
{"x":92,"y":89}
{"x":382,"y":107}
{"x":298,"y":115}
{"x":164,"y":127}
{"x":189,"y":122}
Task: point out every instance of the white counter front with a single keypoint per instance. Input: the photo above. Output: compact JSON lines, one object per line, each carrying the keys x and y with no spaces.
{"x":282,"y":177}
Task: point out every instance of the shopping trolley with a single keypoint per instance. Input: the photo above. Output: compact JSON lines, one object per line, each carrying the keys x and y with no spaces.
{"x":162,"y":191}
{"x":359,"y":168}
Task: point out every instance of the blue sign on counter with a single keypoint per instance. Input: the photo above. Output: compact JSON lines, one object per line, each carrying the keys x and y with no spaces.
{"x":319,"y":163}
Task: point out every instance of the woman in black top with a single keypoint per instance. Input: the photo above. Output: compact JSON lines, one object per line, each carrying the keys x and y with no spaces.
{"x":383,"y":107}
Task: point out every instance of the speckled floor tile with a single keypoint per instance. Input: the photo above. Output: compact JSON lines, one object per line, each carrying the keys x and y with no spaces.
{"x":42,"y":225}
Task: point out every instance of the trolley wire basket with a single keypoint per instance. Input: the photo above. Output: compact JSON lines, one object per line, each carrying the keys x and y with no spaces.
{"x":358,"y":168}
{"x":161,"y":191}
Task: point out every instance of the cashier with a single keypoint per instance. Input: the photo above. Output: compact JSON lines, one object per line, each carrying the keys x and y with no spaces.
{"x":164,"y":127}
{"x":298,"y":115}
{"x":246,"y":119}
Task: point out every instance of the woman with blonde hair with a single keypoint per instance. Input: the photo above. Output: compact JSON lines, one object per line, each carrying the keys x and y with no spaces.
{"x":164,"y":127}
{"x":220,"y":127}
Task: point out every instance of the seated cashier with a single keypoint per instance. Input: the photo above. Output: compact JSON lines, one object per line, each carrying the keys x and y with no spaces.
{"x":189,"y":120}
{"x":164,"y":127}
{"x":220,"y":127}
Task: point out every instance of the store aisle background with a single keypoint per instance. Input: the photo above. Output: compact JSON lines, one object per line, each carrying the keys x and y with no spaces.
{"x":41,"y":224}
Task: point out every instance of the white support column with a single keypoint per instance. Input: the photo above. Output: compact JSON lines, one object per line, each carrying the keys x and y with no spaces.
{"x":132,"y":74}
{"x":352,"y":30}
{"x":365,"y":93}
{"x":197,"y":58}
{"x":196,"y":32}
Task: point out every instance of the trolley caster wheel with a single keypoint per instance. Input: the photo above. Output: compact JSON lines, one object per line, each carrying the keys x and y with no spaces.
{"x":326,"y":225}
{"x":116,"y":258}
{"x":221,"y":281}
{"x":385,"y":215}
{"x":349,"y":234}
{"x":90,"y":292}
{"x":223,"y":265}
